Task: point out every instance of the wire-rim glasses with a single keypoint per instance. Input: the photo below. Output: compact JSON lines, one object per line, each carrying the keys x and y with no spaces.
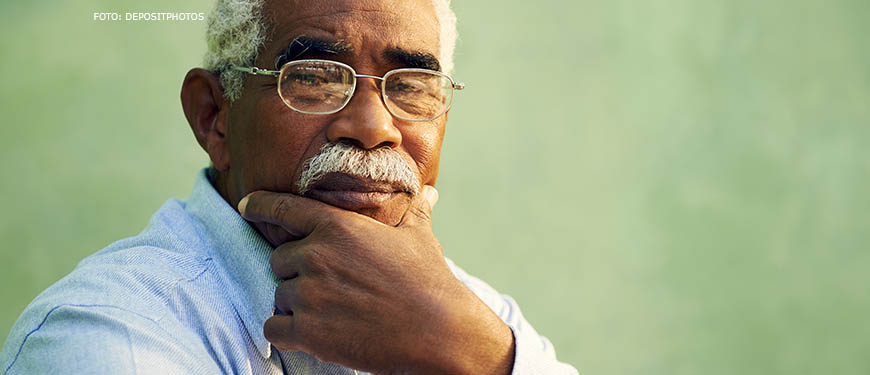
{"x":322,"y":87}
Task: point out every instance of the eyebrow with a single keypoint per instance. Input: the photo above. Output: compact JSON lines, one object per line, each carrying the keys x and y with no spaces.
{"x":412,"y":59}
{"x":305,"y":46}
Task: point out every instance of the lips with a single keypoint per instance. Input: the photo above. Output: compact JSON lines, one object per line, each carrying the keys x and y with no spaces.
{"x":354,"y":193}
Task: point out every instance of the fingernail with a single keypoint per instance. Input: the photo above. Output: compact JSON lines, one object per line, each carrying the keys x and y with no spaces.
{"x":242,"y":204}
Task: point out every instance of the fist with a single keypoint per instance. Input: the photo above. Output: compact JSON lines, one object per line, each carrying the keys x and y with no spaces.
{"x":373,"y":297}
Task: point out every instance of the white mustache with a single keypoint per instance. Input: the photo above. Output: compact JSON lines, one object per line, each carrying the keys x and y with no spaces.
{"x":382,"y":165}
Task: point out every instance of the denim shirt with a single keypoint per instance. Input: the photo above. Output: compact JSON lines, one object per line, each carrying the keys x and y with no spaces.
{"x":190,"y":295}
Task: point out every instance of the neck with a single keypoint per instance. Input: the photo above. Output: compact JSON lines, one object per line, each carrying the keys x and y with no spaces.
{"x":219,"y":182}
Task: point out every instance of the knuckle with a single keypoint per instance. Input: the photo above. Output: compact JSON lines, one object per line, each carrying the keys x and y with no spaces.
{"x":305,"y":289}
{"x":283,"y":290}
{"x":275,"y":233}
{"x":278,"y":335}
{"x":280,"y":208}
{"x":281,"y":264}
{"x":275,"y":261}
{"x":312,"y":295}
{"x":269,"y":331}
{"x":282,"y":299}
{"x":313,"y":259}
{"x":342,"y":227}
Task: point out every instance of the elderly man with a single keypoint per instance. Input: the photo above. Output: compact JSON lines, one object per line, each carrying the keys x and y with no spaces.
{"x":323,"y":121}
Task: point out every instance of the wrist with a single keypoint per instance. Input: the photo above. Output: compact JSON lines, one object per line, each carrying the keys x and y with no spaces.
{"x":476,"y":340}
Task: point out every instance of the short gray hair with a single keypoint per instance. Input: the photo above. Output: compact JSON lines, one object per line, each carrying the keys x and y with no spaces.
{"x":236,"y":32}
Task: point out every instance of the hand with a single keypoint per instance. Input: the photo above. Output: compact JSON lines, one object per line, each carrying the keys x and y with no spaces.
{"x":373,"y":297}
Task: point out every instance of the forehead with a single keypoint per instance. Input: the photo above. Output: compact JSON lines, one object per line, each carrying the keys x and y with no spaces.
{"x":369,"y":26}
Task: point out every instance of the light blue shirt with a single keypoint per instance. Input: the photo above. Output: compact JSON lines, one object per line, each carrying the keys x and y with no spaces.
{"x":190,"y":295}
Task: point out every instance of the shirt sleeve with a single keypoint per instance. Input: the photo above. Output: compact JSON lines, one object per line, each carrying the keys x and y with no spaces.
{"x":534,"y":354}
{"x":99,"y":339}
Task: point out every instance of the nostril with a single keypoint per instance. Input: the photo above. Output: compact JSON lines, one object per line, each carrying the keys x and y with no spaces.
{"x":358,"y":143}
{"x":385,"y":144}
{"x":351,"y":141}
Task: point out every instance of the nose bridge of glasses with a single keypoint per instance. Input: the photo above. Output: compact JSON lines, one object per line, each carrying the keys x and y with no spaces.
{"x":358,"y":76}
{"x":368,"y":76}
{"x":376,"y":89}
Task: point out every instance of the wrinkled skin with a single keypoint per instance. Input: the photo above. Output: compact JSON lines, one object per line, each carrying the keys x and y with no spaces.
{"x":364,"y":287}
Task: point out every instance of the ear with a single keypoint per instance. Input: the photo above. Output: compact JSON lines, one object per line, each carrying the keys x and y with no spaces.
{"x":206,"y":110}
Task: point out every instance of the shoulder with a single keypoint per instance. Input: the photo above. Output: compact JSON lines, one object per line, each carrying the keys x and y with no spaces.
{"x":120,"y":303}
{"x":101,"y":339}
{"x":139,"y":273}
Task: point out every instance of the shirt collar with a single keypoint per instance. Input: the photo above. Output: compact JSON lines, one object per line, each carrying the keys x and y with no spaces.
{"x":242,"y":255}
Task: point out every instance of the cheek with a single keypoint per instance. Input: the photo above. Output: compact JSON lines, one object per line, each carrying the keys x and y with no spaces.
{"x":424,"y":146}
{"x":270,"y":146}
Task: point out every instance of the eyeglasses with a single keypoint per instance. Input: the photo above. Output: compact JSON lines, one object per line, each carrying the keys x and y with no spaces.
{"x":322,"y":87}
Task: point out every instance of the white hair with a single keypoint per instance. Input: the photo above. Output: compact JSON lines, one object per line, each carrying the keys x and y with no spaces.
{"x":236,"y":32}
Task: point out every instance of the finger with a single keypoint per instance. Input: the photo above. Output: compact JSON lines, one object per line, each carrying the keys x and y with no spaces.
{"x":276,"y":234}
{"x":280,"y":330}
{"x":287,"y":259}
{"x":420,"y":211}
{"x":297,"y":215}
{"x":287,"y":297}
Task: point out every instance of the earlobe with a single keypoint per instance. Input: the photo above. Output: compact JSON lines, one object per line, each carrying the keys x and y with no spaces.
{"x":206,"y":111}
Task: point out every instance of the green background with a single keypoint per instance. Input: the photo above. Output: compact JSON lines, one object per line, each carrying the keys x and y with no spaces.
{"x":666,"y":187}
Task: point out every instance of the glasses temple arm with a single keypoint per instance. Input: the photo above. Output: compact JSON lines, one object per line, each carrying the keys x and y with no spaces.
{"x":256,"y":71}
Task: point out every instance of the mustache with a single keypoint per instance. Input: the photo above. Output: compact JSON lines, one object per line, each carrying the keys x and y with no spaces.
{"x":381,"y":165}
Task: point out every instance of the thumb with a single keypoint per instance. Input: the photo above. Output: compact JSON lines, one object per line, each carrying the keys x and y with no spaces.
{"x":421,"y":206}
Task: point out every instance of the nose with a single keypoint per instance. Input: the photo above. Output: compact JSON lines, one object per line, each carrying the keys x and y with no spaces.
{"x":365,"y":121}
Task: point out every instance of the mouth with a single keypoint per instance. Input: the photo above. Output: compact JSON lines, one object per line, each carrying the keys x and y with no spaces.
{"x":354,"y":193}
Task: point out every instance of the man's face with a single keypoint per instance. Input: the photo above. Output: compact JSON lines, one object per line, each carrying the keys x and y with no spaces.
{"x":270,"y":143}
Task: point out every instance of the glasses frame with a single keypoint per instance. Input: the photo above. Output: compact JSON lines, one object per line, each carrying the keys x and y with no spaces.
{"x":253,"y":70}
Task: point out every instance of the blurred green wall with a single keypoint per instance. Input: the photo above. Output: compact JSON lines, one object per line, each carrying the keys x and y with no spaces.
{"x":666,"y":187}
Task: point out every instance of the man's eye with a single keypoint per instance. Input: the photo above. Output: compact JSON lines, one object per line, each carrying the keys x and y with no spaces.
{"x":306,"y":100}
{"x":406,"y":87}
{"x":308,"y":79}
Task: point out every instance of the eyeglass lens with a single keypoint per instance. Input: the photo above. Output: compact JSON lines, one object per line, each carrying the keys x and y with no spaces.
{"x":322,"y":87}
